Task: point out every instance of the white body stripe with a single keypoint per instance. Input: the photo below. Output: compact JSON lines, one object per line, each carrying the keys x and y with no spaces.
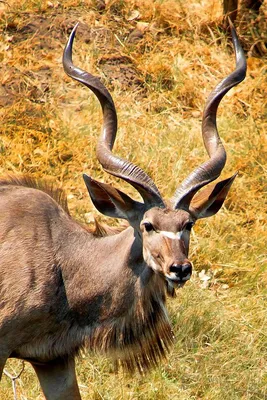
{"x":172,"y":235}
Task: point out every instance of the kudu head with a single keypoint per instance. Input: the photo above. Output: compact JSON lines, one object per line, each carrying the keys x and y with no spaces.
{"x":163,"y":227}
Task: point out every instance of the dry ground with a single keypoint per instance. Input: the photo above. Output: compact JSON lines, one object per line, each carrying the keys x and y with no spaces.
{"x":160,"y":59}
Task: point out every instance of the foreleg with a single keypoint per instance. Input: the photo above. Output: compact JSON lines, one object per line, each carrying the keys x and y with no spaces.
{"x":58,"y":379}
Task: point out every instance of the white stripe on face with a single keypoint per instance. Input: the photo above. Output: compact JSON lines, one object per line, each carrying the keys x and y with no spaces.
{"x":172,"y":235}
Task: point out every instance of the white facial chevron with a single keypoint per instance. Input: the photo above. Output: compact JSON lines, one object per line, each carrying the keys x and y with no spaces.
{"x":172,"y":235}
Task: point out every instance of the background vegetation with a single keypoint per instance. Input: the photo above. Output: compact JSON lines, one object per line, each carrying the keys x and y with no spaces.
{"x":160,"y":60}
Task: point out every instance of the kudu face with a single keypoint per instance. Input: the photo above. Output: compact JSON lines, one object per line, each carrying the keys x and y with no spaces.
{"x":165,"y":235}
{"x":164,"y":231}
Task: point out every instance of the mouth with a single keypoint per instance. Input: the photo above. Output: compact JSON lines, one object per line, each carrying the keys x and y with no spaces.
{"x":179,"y":274}
{"x":175,"y":284}
{"x":175,"y":281}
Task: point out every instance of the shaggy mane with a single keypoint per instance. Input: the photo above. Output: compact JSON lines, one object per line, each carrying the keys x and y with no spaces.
{"x":139,"y":340}
{"x":41,"y":184}
{"x":102,"y":230}
{"x":47,"y":186}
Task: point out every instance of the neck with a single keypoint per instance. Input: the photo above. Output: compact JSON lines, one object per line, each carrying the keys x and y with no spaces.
{"x":116,"y":298}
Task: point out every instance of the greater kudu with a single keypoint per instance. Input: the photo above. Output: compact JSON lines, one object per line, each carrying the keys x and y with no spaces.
{"x":63,"y":288}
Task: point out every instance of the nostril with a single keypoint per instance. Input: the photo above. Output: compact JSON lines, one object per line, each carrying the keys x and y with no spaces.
{"x":175,"y":268}
{"x":183,"y":271}
{"x":186,"y":269}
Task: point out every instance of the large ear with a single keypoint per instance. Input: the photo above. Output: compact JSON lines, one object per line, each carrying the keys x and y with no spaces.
{"x":112,"y":202}
{"x":208,"y":202}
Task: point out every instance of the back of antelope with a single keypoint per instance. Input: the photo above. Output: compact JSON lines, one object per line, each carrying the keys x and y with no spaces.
{"x":64,"y":288}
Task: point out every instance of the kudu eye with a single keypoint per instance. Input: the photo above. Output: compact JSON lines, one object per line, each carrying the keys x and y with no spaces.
{"x":148,"y":226}
{"x":188,"y":226}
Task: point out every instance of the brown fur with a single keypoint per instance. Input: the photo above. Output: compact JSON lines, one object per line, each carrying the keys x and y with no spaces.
{"x":142,"y":337}
{"x":41,"y":184}
{"x":102,"y":230}
{"x":99,"y":229}
{"x":64,"y":287}
{"x":137,"y":338}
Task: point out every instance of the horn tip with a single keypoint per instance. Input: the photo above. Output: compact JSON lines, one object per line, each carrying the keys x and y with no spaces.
{"x":67,"y":54}
{"x":72,"y":34}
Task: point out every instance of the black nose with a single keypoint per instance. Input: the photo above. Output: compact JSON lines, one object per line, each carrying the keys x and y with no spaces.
{"x":182,"y":271}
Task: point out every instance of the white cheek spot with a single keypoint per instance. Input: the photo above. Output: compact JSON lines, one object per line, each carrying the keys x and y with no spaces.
{"x":150,"y":260}
{"x":172,"y":235}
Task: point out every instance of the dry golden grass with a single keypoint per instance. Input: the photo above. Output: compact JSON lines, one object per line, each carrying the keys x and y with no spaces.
{"x":159,"y":81}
